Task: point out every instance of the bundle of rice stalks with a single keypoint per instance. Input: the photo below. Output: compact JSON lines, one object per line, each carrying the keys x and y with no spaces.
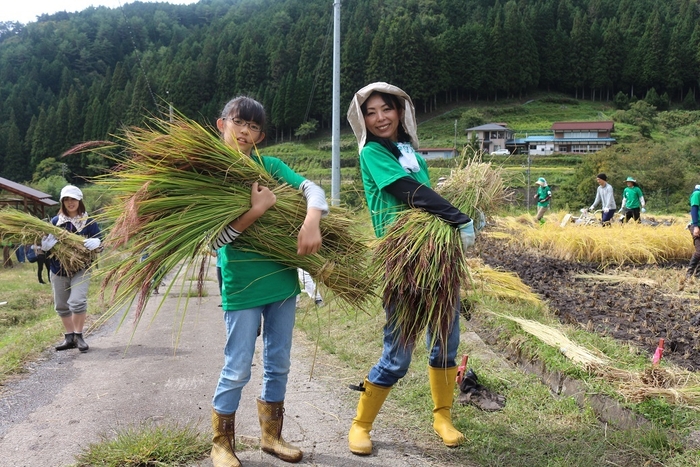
{"x":421,"y":256}
{"x":617,"y":244}
{"x":179,"y":186}
{"x":555,"y":338}
{"x":21,"y":228}
{"x":674,"y":385}
{"x":501,"y":285}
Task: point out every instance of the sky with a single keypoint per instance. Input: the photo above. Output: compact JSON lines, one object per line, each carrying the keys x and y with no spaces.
{"x":25,"y":12}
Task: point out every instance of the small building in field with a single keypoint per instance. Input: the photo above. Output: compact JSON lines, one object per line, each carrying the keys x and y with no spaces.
{"x":582,"y":137}
{"x":492,"y":137}
{"x":437,"y":153}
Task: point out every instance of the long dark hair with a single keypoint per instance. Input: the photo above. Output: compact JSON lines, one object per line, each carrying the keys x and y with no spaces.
{"x":394,"y":103}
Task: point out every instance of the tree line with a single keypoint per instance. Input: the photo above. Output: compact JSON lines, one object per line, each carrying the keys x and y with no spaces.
{"x":73,"y":77}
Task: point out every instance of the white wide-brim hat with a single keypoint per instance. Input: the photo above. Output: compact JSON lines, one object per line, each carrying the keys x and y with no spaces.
{"x":357,"y":120}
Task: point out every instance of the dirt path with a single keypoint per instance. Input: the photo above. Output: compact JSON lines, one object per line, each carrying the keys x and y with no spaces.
{"x":68,"y":400}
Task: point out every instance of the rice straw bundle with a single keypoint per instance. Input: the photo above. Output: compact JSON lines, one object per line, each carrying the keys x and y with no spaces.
{"x":557,"y":339}
{"x":24,"y":229}
{"x":502,"y":285}
{"x":180,"y":185}
{"x":674,"y":385}
{"x":422,"y":258}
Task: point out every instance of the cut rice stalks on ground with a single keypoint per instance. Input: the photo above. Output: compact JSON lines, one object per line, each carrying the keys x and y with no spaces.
{"x":617,"y":278}
{"x":676,"y":386}
{"x":21,"y":228}
{"x":502,"y":285}
{"x":179,"y":185}
{"x":557,"y":339}
{"x":421,"y":257}
{"x":617,"y":244}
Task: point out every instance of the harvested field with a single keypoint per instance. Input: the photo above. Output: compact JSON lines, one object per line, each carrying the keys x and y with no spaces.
{"x":635,"y":304}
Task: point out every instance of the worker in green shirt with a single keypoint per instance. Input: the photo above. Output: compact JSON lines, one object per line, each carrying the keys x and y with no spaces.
{"x":632,"y":200}
{"x":543,"y":197}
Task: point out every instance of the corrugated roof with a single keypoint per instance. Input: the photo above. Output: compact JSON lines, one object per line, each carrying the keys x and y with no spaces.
{"x":601,"y":125}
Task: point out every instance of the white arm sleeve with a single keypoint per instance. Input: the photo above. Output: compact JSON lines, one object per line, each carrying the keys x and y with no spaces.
{"x":315,"y":196}
{"x":641,"y":201}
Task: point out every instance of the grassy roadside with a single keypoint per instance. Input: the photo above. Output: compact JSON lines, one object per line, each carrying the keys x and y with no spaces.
{"x":537,"y":427}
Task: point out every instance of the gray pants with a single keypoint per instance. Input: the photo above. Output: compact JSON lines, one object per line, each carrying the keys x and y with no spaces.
{"x":70,"y":293}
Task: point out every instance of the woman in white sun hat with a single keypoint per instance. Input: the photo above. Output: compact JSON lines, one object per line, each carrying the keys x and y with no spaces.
{"x":395,"y":179}
{"x":70,"y":291}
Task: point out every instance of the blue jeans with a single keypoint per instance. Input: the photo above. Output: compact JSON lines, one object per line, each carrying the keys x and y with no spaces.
{"x":241,"y":334}
{"x":396,"y":356}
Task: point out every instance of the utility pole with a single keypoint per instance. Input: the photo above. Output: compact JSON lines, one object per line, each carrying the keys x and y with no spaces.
{"x":335,"y":139}
{"x":528,"y":182}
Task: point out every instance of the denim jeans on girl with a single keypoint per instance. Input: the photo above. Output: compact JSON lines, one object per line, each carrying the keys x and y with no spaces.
{"x":241,"y":334}
{"x":396,"y":357}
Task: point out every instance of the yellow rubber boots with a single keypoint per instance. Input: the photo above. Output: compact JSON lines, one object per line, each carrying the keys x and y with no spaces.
{"x":271,"y":416}
{"x":442,"y":384}
{"x":223,"y":452}
{"x":371,"y":401}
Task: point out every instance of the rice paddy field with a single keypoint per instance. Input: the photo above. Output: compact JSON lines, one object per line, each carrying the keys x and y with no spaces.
{"x":626,"y":281}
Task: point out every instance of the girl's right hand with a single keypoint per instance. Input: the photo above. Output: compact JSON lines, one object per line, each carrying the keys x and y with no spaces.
{"x":261,"y":198}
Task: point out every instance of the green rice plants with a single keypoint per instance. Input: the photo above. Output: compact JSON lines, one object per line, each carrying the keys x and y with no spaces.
{"x":179,"y":185}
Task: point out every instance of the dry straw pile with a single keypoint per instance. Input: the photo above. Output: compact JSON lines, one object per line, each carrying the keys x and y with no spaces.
{"x":179,"y":184}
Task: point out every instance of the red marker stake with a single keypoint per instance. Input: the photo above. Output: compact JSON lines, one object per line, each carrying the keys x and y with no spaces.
{"x":659,"y":352}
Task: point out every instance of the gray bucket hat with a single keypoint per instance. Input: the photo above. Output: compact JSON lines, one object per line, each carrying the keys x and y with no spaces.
{"x":357,"y":120}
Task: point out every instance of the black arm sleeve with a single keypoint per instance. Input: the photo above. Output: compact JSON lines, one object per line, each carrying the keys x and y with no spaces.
{"x":420,"y":196}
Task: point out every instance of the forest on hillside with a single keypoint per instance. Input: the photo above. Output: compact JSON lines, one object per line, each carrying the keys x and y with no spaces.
{"x":74,"y":77}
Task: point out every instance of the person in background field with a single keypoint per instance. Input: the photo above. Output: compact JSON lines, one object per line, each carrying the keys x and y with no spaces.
{"x":254,"y":289}
{"x":6,"y":254}
{"x":20,"y":254}
{"x":70,"y":292}
{"x":41,"y":262}
{"x":396,"y":178}
{"x":604,"y":196}
{"x":694,"y":228}
{"x":543,"y":197}
{"x":310,"y":286}
{"x":632,"y":200}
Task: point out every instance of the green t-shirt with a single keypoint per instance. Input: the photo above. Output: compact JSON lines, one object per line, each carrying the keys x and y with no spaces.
{"x":542,"y":193}
{"x":250,"y":279}
{"x":380,"y":168}
{"x":695,"y":198}
{"x":631,"y":197}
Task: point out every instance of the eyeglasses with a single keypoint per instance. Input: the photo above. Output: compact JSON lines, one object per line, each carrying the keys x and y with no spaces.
{"x":241,"y":123}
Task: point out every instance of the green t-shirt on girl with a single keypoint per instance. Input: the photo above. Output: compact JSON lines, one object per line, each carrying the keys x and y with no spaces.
{"x":380,"y":168}
{"x":250,"y":279}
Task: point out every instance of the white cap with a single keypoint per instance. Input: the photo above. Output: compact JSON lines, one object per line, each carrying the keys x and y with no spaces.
{"x":70,"y":191}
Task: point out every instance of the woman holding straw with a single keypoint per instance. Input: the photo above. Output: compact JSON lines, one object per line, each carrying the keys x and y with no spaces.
{"x":70,"y":289}
{"x":257,"y":289}
{"x":395,"y":179}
